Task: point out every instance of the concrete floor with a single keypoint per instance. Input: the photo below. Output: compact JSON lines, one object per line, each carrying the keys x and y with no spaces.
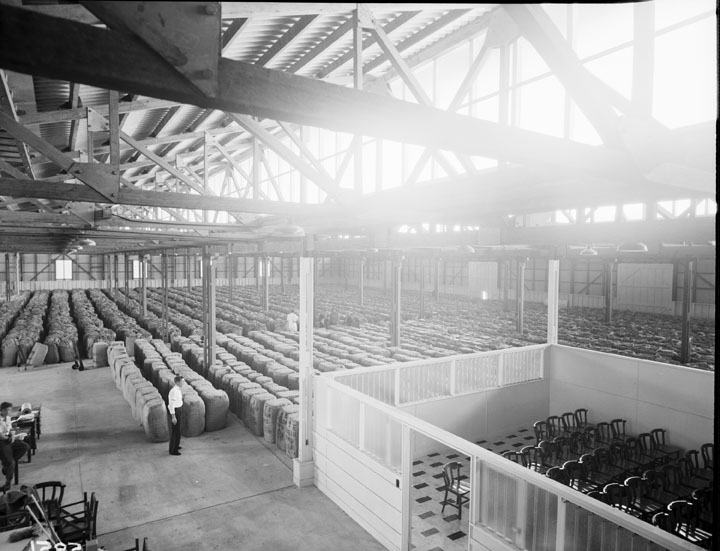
{"x":228,"y":490}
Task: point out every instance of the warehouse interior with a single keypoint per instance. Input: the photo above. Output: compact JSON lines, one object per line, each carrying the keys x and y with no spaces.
{"x":483,"y":215}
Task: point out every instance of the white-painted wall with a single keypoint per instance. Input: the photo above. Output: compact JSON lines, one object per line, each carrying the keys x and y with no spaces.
{"x":482,"y":415}
{"x":647,"y":394}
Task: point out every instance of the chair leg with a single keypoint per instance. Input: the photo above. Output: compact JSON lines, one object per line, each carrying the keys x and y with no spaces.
{"x":444,"y":502}
{"x":459,"y":507}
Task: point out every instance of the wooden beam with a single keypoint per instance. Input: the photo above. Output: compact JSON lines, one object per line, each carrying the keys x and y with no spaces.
{"x":81,"y":112}
{"x":320,"y":179}
{"x":130,"y":196}
{"x":233,"y":10}
{"x":8,"y":106}
{"x":74,"y":100}
{"x":543,"y":35}
{"x":347,"y":57}
{"x":106,"y":58}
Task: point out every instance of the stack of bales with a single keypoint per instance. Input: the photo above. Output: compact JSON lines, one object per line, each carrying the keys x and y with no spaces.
{"x":147,"y":405}
{"x":254,"y":397}
{"x":207,"y":406}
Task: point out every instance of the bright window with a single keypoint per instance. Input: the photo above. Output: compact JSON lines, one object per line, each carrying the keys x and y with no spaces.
{"x":63,"y":269}
{"x":137,"y":269}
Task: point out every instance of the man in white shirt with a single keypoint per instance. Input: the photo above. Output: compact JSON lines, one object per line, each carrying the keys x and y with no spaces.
{"x":10,"y":449}
{"x":175,"y":403}
{"x":292,"y":321}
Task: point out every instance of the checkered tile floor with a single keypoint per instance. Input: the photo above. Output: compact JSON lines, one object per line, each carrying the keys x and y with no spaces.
{"x":434,"y":530}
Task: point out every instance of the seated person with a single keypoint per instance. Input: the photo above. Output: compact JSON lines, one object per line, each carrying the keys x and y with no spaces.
{"x":11,"y":449}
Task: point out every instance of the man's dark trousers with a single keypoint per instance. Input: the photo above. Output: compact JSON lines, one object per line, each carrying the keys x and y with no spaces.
{"x":176,"y":431}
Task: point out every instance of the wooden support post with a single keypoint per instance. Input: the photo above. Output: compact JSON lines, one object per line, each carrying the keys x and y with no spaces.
{"x":407,"y":448}
{"x":18,"y":274}
{"x":436,"y":290}
{"x":164,"y":264}
{"x":208,"y":279}
{"x":189,"y":265}
{"x":520,"y":295}
{"x":143,"y":283}
{"x":232,"y":265}
{"x":282,"y":275}
{"x":7,"y":277}
{"x":553,"y":293}
{"x":572,"y":285}
{"x":422,"y":288}
{"x":266,"y":283}
{"x":609,"y":269}
{"x":361,"y":281}
{"x":128,"y":273}
{"x":303,"y":468}
{"x":116,"y":269}
{"x":685,"y":338}
{"x":395,"y":313}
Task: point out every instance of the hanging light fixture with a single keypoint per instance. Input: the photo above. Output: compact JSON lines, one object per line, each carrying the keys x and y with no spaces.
{"x":588,"y":251}
{"x":87,"y":242}
{"x":632,"y":247}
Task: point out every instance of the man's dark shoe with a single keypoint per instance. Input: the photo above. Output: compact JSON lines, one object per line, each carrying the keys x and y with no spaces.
{"x":175,"y":453}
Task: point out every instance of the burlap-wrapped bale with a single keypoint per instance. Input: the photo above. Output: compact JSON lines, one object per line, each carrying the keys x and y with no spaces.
{"x":234,"y":394}
{"x":293,"y":381}
{"x":125,"y":364}
{"x":253,"y":375}
{"x":292,"y":434}
{"x":114,"y":349}
{"x":99,"y":354}
{"x":52,"y":356}
{"x":193,"y":412}
{"x":247,"y":395}
{"x":217,"y":404}
{"x":256,"y":413}
{"x":9,"y":352}
{"x":196,"y":362}
{"x":282,"y":375}
{"x":270,"y":413}
{"x":260,"y":362}
{"x":144,"y":392}
{"x":288,"y":394}
{"x":166,"y":380}
{"x":155,"y":369}
{"x":154,"y":420}
{"x":128,"y":389}
{"x":274,"y":389}
{"x":281,"y":424}
{"x":216,"y":372}
{"x":264,"y":380}
{"x":243,"y":370}
{"x":242,"y":389}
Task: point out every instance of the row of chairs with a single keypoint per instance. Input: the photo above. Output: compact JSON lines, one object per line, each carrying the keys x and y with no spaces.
{"x":690,"y":517}
{"x":74,"y":522}
{"x":687,"y":519}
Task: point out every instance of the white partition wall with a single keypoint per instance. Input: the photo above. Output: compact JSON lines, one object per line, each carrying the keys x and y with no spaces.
{"x":648,"y":394}
{"x":364,"y":453}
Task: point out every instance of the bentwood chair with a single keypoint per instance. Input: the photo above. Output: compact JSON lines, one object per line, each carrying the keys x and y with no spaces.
{"x":456,"y":487}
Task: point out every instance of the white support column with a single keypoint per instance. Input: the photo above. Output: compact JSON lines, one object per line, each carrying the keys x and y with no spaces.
{"x":267,"y":266}
{"x":165,"y":296}
{"x":361,"y":278}
{"x":395,"y":314}
{"x":303,"y":466}
{"x":408,"y":439}
{"x":553,"y":300}
{"x":143,"y":283}
{"x":18,"y":274}
{"x":208,"y":307}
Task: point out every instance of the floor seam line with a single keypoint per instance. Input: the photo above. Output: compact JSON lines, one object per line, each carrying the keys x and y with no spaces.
{"x":197,"y":510}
